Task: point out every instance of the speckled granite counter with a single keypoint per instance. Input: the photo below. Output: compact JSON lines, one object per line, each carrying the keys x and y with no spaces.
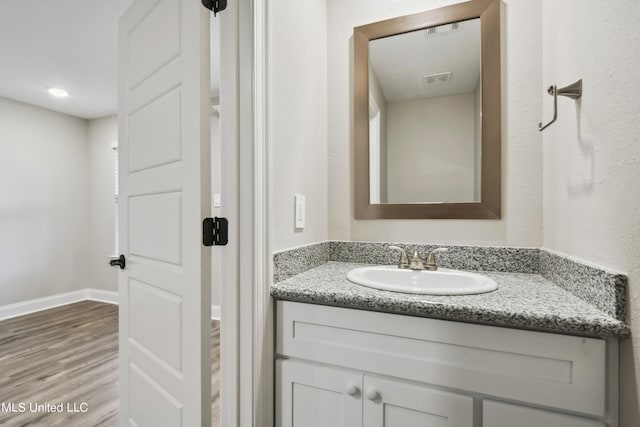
{"x":524,"y":301}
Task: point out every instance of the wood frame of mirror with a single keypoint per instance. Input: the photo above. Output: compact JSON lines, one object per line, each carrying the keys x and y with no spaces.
{"x":490,"y":203}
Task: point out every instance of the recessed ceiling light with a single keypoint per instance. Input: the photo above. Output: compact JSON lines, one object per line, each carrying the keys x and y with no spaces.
{"x":58,"y":93}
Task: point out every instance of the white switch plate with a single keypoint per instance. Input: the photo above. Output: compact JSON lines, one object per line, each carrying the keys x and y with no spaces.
{"x":300,"y":209}
{"x":216,"y":200}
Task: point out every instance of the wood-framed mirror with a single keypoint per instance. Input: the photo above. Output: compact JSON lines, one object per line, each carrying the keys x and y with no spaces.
{"x":427,"y":119}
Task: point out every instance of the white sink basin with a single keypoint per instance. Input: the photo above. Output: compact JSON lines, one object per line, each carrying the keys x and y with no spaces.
{"x":440,"y":282}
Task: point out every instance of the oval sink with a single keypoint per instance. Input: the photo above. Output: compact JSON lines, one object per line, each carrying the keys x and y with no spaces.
{"x":440,"y":282}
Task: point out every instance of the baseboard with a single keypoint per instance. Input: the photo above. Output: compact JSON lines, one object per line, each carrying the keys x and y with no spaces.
{"x":110,"y":297}
{"x":39,"y":304}
{"x":215,"y":312}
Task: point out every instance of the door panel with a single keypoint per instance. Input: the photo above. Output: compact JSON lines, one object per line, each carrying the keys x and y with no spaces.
{"x":150,"y":404}
{"x":153,"y":40}
{"x":393,"y":403}
{"x":157,"y":236}
{"x":498,"y":414}
{"x":165,"y":319}
{"x":158,"y":144}
{"x":156,"y":323}
{"x":317,"y":396}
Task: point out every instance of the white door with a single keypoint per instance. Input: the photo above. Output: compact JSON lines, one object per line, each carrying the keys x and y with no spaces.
{"x":165,"y":300}
{"x":390,"y":403}
{"x":310,"y":395}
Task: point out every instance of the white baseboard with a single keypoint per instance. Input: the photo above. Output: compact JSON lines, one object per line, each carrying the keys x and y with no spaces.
{"x":110,"y":297}
{"x":39,"y":304}
{"x":215,"y":312}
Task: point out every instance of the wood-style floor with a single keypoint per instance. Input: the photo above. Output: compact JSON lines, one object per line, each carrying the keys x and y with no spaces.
{"x":70,"y":354}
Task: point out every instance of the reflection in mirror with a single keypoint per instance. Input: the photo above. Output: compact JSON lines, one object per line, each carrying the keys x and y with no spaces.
{"x":425,"y":118}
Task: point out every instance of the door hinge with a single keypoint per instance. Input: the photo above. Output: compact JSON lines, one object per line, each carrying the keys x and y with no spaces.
{"x":215,"y":231}
{"x":215,"y":5}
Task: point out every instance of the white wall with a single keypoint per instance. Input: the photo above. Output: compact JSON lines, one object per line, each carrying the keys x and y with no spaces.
{"x":102,"y":207}
{"x":592,"y":153}
{"x":522,"y":153}
{"x":44,"y":209}
{"x":298,"y":118}
{"x":430,"y":149}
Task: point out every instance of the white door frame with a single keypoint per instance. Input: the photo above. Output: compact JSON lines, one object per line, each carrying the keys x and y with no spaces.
{"x":263,"y":337}
{"x":247,"y":325}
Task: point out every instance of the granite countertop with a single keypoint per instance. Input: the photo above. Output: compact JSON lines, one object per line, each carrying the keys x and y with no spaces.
{"x":523,"y":301}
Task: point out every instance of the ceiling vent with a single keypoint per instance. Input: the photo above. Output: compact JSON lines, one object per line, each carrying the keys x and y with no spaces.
{"x":436,"y":79}
{"x":443,"y":29}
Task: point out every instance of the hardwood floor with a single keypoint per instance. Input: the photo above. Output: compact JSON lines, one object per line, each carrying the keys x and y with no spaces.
{"x":70,"y":354}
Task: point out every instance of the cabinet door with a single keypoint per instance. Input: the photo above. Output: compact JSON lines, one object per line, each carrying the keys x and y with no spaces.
{"x":310,"y":395}
{"x":497,"y":414}
{"x":392,"y":403}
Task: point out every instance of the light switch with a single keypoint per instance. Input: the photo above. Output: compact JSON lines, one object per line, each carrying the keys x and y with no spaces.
{"x":300,"y":209}
{"x":216,"y":200}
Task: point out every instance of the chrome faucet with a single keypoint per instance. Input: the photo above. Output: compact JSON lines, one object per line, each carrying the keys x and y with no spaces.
{"x":430,"y":263}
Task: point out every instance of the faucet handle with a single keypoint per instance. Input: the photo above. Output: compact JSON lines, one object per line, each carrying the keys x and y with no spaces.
{"x":404,"y":259}
{"x":430,"y":263}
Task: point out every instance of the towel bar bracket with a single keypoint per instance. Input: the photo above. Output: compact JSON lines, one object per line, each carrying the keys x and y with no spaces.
{"x":573,"y":91}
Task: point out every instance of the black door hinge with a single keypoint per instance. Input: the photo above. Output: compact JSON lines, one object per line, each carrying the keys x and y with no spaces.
{"x":215,"y":5}
{"x":215,"y":231}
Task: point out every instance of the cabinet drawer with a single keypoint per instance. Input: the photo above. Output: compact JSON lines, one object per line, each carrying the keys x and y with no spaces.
{"x":497,"y":414}
{"x":545,"y":369}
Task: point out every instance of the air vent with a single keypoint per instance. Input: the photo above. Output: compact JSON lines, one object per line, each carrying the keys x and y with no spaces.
{"x":443,"y":29}
{"x":436,"y":79}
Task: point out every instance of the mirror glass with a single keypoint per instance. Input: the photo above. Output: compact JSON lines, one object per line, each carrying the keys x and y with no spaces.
{"x":425,"y":115}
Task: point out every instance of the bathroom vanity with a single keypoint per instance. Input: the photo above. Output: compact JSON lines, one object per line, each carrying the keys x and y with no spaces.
{"x":345,"y":367}
{"x":529,"y":354}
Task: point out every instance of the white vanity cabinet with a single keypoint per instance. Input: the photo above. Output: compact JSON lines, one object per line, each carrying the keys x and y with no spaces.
{"x":313,"y":395}
{"x":347,"y":367}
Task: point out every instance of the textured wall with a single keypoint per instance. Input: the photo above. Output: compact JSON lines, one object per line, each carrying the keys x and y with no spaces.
{"x":298,"y":118}
{"x":522,"y":153}
{"x":592,"y":153}
{"x":44,"y":215}
{"x":102,"y":207}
